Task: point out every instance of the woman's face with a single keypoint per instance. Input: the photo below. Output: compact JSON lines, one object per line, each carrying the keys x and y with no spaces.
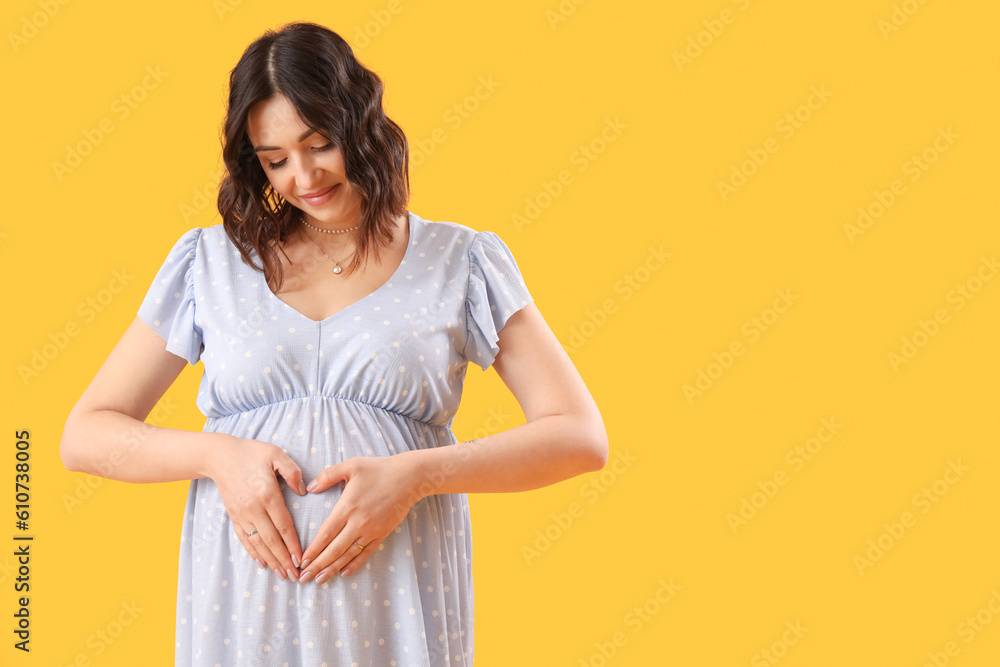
{"x":300,"y":162}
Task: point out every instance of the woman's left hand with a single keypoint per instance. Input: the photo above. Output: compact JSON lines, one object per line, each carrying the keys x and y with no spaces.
{"x":377,"y":496}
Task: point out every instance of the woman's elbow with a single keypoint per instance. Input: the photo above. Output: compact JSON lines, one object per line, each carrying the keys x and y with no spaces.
{"x":594,"y":437}
{"x":69,"y":454}
{"x":66,"y":454}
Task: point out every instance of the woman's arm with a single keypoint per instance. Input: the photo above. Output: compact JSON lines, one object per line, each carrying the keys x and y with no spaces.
{"x":106,"y":434}
{"x":564,"y":435}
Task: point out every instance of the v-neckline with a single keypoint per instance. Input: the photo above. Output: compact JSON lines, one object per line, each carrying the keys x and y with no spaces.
{"x":410,"y":229}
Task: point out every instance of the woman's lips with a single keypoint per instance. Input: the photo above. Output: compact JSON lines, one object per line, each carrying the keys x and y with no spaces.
{"x":322,"y":198}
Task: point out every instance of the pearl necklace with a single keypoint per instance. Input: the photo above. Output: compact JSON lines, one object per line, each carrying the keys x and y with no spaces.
{"x":329,"y":231}
{"x":336,"y":264}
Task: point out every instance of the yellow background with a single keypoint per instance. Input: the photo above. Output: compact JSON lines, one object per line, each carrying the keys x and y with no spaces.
{"x":895,"y":74}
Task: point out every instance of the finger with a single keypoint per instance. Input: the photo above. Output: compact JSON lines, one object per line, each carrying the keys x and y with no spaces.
{"x":254,"y":545}
{"x":290,"y":472}
{"x":282,"y":521}
{"x":340,"y":552}
{"x":329,"y":476}
{"x":318,"y":554}
{"x":236,"y":509}
{"x":328,"y":530}
{"x":277,"y":531}
{"x":250,"y":549}
{"x":268,"y":540}
{"x":356,"y":562}
{"x":335,"y":568}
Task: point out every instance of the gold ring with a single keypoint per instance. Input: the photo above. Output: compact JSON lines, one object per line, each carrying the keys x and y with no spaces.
{"x":359,"y":546}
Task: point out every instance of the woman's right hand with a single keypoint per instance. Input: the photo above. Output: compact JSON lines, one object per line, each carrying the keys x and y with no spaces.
{"x":245,"y":472}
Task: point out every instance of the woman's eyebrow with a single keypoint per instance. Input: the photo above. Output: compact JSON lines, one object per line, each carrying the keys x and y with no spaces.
{"x":258,"y":149}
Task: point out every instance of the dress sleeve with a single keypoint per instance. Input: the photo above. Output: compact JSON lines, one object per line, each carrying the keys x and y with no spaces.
{"x":496,"y":291}
{"x":169,"y":305}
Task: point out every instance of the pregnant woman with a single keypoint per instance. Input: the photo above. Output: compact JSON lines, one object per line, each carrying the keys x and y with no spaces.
{"x":327,"y":521}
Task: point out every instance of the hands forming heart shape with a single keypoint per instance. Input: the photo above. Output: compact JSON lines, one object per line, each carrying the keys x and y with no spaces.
{"x":378,"y":494}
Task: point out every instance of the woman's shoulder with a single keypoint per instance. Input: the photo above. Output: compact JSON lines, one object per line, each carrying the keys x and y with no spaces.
{"x":194,"y":235}
{"x":449,"y":231}
{"x":207,"y":239}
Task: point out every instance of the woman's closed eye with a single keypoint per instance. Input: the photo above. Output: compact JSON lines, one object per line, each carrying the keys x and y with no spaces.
{"x":276,"y":165}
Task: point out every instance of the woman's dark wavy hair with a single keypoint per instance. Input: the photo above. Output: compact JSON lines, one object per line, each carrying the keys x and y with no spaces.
{"x":336,"y":95}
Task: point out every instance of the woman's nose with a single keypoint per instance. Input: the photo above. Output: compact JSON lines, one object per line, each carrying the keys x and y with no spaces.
{"x":308,"y":176}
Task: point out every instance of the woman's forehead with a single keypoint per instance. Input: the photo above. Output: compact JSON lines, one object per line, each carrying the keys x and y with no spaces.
{"x":275,"y":120}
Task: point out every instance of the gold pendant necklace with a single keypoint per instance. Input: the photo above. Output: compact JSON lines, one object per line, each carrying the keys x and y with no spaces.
{"x":336,"y":264}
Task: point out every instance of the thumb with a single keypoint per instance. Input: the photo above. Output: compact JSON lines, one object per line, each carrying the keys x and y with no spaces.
{"x":291,"y":473}
{"x":328,"y":477}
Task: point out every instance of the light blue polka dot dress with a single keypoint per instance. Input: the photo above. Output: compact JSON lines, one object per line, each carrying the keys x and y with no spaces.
{"x":381,"y":376}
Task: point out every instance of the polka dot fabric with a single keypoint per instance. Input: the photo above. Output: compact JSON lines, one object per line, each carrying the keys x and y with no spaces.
{"x":381,"y":376}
